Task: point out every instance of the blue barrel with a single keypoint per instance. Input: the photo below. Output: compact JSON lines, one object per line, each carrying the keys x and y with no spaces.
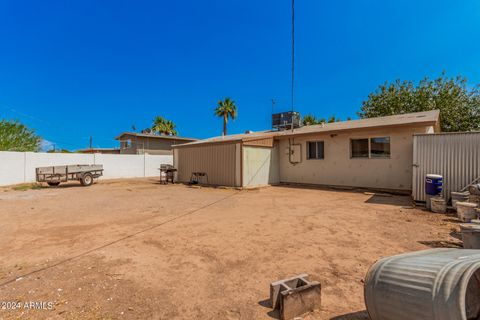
{"x":433,"y":184}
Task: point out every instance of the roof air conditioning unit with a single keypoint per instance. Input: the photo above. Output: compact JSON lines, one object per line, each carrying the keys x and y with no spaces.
{"x":285,"y":120}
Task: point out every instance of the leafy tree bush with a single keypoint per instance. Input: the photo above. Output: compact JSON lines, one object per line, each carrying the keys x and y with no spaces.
{"x":15,"y":136}
{"x":459,"y":105}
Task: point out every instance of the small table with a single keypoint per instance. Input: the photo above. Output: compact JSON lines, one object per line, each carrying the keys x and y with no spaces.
{"x":197,"y":176}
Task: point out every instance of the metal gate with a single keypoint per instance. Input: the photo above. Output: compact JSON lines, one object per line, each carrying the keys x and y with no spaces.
{"x":455,"y":156}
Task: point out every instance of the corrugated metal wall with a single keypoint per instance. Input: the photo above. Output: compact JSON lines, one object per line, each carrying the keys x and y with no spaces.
{"x":219,"y":161}
{"x":455,"y":156}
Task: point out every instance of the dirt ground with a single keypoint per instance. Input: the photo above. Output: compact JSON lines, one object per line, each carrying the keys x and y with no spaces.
{"x":135,"y":249}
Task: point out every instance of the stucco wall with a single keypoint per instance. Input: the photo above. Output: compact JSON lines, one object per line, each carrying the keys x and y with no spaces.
{"x":19,"y":167}
{"x":338,"y":169}
{"x":260,"y":166}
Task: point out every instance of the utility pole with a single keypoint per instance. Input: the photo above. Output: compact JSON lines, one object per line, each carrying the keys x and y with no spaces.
{"x":90,"y":142}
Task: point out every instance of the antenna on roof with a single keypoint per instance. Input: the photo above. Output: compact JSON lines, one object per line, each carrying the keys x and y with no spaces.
{"x":293,"y":54}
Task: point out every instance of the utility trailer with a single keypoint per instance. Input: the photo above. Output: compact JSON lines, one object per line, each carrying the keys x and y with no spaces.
{"x":81,"y":172}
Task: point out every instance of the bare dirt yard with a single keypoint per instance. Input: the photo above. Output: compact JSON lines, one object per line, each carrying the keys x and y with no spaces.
{"x":135,"y":249}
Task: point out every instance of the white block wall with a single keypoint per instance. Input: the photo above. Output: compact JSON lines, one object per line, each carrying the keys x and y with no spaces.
{"x":19,"y":167}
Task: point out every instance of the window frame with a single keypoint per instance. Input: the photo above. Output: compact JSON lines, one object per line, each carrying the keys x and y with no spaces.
{"x":389,"y":147}
{"x":368,"y":148}
{"x":369,"y":139}
{"x":127,"y":144}
{"x":316,"y":146}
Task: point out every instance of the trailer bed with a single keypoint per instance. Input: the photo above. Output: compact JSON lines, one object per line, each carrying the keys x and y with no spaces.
{"x":54,"y":175}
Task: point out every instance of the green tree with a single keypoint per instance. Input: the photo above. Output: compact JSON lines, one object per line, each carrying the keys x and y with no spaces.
{"x":459,"y":105}
{"x":15,"y":136}
{"x":333,"y":119}
{"x":163,"y":126}
{"x":225,"y":109}
{"x":309,"y":120}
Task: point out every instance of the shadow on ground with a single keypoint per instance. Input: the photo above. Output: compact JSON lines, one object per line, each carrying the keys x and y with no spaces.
{"x":401,"y":201}
{"x":67,"y":185}
{"x":455,"y":234}
{"x":442,"y":244}
{"x":274,"y":314}
{"x":360,"y":315}
{"x":452,"y":220}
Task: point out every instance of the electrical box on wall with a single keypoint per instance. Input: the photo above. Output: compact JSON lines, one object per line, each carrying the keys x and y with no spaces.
{"x":296,"y":153}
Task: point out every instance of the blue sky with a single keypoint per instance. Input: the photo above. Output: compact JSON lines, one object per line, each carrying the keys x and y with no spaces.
{"x":71,"y":69}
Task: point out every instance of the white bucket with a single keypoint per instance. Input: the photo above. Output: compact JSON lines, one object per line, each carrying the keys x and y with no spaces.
{"x":459,"y":197}
{"x":466,"y":211}
{"x":439,"y":205}
{"x":470,"y":235}
{"x":475,"y":198}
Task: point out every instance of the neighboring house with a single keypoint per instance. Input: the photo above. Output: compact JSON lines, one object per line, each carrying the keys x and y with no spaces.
{"x":140,"y":143}
{"x":100,"y":150}
{"x":371,"y":153}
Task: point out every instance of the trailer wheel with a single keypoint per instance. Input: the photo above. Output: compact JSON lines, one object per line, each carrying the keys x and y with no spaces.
{"x":53,"y":184}
{"x":87,"y":179}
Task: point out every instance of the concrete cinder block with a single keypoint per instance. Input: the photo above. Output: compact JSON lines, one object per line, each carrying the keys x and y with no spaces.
{"x":295,"y":296}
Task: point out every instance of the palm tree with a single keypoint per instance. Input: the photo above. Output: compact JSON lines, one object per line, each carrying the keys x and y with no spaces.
{"x":170,"y":128}
{"x":333,"y":119}
{"x":158,"y":124}
{"x":163,"y":126}
{"x":310,"y":119}
{"x":225,"y":109}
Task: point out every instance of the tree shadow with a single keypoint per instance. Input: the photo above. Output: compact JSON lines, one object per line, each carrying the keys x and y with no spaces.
{"x":359,"y":315}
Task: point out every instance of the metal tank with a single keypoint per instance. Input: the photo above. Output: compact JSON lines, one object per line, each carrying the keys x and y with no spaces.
{"x":436,"y":284}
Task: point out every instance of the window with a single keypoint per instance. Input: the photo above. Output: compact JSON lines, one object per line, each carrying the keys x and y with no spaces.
{"x":370,"y":148}
{"x":380,"y":147}
{"x":315,"y":150}
{"x":359,"y":148}
{"x":126,"y":144}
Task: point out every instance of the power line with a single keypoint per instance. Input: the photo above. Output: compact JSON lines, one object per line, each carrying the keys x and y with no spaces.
{"x":293,"y":52}
{"x":118,"y":240}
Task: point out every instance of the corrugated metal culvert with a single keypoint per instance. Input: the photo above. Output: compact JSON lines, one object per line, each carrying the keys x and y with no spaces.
{"x":455,"y":156}
{"x":436,"y":284}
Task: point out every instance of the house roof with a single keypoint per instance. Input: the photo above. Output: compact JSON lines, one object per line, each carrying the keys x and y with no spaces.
{"x":425,"y":117}
{"x":98,"y":149}
{"x":87,"y":150}
{"x":232,"y":138}
{"x":155,"y":136}
{"x":417,"y":118}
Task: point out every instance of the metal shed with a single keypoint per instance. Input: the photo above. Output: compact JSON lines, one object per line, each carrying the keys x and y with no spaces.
{"x":455,"y":156}
{"x":242,"y":160}
{"x":220,"y":161}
